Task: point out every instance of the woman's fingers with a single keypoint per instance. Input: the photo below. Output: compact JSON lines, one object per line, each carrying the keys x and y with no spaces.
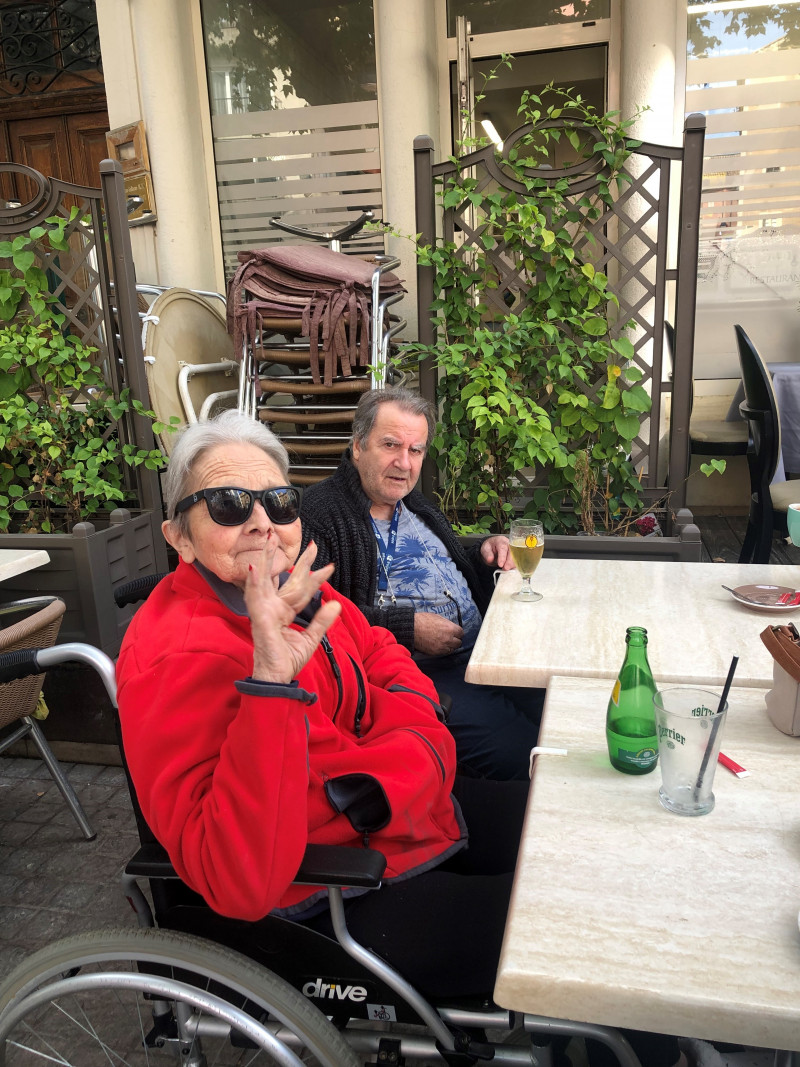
{"x":322,"y":621}
{"x":306,"y":557}
{"x":303,"y":583}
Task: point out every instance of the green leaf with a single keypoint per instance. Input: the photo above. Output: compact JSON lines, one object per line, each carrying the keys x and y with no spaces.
{"x":624,"y":347}
{"x":714,"y":466}
{"x":23,"y":261}
{"x":627,"y":425}
{"x":570,"y":417}
{"x":636,"y":399}
{"x":594,"y":326}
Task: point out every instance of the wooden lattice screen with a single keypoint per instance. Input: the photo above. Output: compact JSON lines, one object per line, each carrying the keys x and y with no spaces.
{"x":93,"y":282}
{"x":635,"y":242}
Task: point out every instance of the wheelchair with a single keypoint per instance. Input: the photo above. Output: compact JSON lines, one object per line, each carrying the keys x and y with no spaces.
{"x":192,"y":987}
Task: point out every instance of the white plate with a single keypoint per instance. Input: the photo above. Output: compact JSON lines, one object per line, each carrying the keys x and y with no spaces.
{"x":767,"y":595}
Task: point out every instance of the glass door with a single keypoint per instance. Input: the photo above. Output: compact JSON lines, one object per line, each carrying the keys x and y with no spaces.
{"x":571,"y":45}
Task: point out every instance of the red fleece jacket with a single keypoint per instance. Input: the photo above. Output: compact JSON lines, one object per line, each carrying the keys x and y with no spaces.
{"x":232,"y":782}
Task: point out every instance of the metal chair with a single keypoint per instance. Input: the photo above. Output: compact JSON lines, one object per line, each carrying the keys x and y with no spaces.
{"x":711,"y":433}
{"x":37,"y":627}
{"x":768,"y":502}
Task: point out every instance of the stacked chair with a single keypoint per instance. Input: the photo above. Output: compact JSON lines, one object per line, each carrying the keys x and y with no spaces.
{"x":313,"y":331}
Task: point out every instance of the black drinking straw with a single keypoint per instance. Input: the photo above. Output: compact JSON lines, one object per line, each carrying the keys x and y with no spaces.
{"x":715,"y":727}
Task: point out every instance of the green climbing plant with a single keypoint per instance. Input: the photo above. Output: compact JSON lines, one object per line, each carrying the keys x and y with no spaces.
{"x":536,"y":370}
{"x":61,"y":459}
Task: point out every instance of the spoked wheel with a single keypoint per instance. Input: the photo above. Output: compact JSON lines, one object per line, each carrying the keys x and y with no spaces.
{"x":149,"y":997}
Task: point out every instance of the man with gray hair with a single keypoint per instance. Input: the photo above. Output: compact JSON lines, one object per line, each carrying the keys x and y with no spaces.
{"x":398,"y":559}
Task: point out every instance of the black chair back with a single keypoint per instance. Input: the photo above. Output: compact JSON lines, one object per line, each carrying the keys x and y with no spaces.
{"x":760,"y":408}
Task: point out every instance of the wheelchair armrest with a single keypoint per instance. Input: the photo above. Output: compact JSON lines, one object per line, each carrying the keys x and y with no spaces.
{"x":322,"y":865}
{"x":151,"y":861}
{"x":341,"y":866}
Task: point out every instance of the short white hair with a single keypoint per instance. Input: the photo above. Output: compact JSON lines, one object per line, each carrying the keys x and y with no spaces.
{"x":229,"y":428}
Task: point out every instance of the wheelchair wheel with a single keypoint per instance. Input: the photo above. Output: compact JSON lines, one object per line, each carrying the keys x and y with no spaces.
{"x":142,"y":997}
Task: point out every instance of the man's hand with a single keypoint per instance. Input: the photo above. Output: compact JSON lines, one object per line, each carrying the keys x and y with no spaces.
{"x":279,"y":652}
{"x":495,"y":553}
{"x":434,"y":635}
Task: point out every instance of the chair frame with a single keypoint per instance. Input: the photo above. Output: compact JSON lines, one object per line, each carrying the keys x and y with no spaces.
{"x":760,"y":408}
{"x":698,"y":447}
{"x":42,"y":625}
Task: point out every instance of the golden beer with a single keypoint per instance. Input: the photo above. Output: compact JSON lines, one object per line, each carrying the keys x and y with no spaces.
{"x":526,"y":543}
{"x":526,"y":559}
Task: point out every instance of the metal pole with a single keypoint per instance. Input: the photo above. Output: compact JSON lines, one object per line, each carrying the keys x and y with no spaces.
{"x":128,"y":325}
{"x":685,"y":306}
{"x":426,"y":228}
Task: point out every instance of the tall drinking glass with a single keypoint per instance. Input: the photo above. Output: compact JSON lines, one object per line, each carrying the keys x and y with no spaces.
{"x":527,"y":545}
{"x":793,"y":522}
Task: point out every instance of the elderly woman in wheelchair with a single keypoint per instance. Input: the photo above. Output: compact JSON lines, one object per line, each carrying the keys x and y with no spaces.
{"x":261,"y":714}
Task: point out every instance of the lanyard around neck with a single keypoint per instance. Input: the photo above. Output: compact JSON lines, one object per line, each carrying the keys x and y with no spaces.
{"x":386,"y":551}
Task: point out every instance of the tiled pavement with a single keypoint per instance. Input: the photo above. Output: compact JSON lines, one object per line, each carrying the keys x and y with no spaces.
{"x":52,"y":881}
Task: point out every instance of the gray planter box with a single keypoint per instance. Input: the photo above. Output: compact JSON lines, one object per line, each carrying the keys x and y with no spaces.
{"x":684,"y":546}
{"x":85,"y":568}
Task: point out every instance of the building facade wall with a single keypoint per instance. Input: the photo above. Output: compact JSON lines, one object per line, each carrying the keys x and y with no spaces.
{"x":152,"y":57}
{"x":155,"y":71}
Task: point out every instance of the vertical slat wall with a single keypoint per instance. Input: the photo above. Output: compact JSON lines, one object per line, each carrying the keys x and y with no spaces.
{"x":315,"y":165}
{"x":751,"y":170}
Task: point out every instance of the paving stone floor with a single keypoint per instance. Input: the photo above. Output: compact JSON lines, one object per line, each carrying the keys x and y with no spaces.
{"x":52,"y":881}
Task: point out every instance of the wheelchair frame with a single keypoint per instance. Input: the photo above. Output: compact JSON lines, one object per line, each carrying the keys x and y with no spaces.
{"x":207,"y":992}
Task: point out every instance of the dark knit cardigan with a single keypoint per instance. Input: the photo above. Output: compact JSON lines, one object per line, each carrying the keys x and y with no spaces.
{"x":335,"y":514}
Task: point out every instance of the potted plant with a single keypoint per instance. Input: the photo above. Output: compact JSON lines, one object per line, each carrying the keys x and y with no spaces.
{"x":540,"y":395}
{"x":63,"y":463}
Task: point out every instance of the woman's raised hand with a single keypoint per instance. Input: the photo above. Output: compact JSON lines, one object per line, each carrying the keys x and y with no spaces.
{"x":280,"y":652}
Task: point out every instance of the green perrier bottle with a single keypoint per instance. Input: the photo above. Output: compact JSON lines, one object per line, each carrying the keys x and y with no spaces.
{"x":630,"y":720}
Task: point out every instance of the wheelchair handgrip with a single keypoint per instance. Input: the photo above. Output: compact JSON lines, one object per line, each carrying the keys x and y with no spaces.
{"x":19,"y":664}
{"x":137,"y":589}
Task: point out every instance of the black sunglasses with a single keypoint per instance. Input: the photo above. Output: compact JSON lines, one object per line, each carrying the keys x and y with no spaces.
{"x":229,"y":506}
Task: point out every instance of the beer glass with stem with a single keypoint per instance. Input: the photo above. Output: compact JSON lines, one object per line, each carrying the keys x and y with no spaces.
{"x":526,"y":539}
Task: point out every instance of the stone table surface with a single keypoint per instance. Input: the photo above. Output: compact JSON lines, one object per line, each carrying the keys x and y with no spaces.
{"x":694,"y":626}
{"x":14,"y":561}
{"x":624,"y":914}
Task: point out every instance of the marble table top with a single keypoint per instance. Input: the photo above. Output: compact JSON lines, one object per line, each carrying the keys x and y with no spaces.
{"x":15,"y":561}
{"x":694,"y":626}
{"x":624,"y":914}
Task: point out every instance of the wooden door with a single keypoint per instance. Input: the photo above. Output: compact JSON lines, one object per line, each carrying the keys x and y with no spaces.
{"x":86,"y":139}
{"x":69,"y":147}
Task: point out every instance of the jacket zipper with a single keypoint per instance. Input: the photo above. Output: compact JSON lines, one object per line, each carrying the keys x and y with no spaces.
{"x":328,"y":649}
{"x":436,"y":755}
{"x":437,"y":707}
{"x":362,"y":698}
